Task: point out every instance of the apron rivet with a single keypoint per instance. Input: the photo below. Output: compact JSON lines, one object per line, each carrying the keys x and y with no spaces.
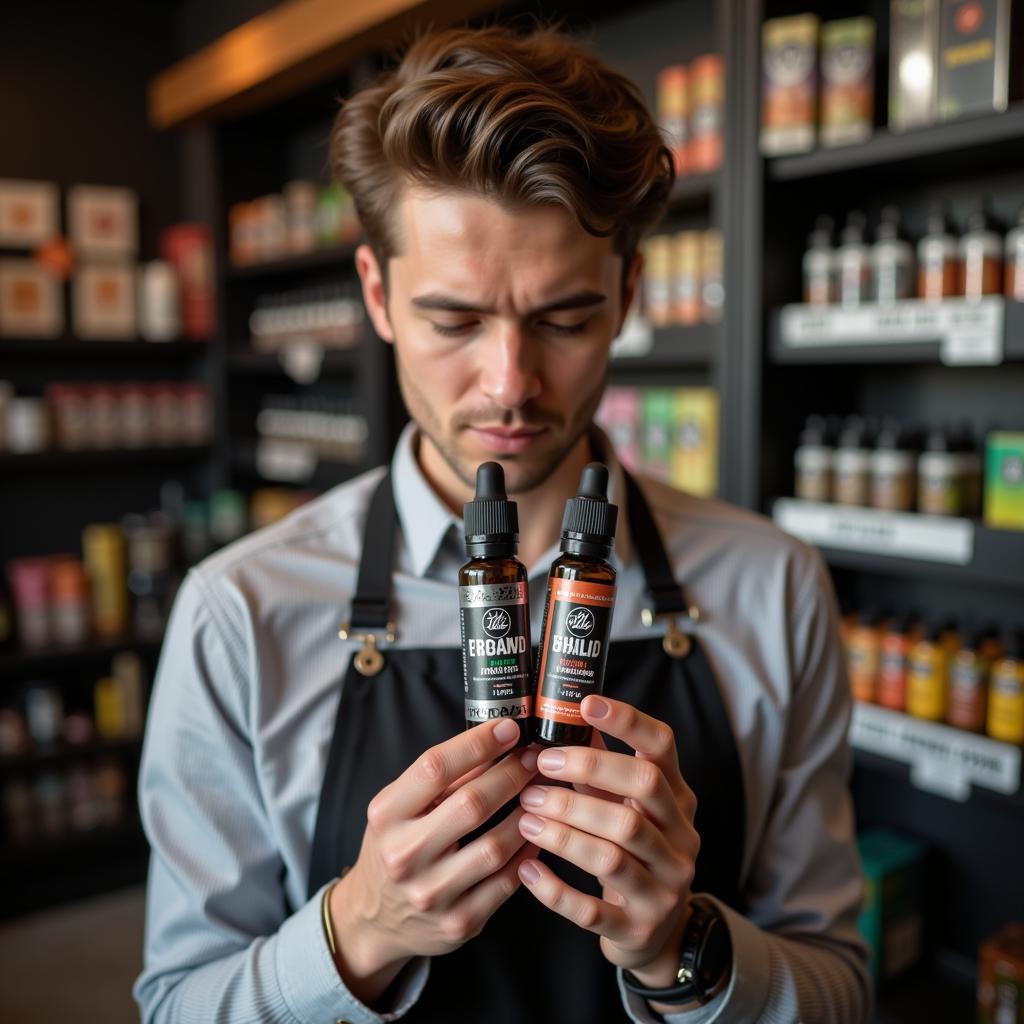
{"x":676,"y":643}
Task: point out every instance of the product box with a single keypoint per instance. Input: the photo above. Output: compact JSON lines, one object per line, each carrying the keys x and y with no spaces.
{"x":28,"y":213}
{"x":620,"y":416}
{"x":980,"y":56}
{"x":659,"y":409}
{"x":103,"y":222}
{"x":707,"y":112}
{"x":789,"y":96}
{"x":913,"y":62}
{"x":103,"y":302}
{"x":31,"y":300}
{"x":694,"y":466}
{"x":892,"y":920}
{"x":1004,"y":480}
{"x":673,"y":91}
{"x":1001,"y":977}
{"x":848,"y":81}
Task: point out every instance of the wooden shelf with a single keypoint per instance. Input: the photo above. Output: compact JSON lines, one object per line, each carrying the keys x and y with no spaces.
{"x":969,"y":144}
{"x":43,"y":662}
{"x":318,"y":259}
{"x":91,"y":458}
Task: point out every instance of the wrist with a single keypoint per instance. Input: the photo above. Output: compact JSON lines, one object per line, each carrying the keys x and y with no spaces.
{"x":365,"y":963}
{"x":660,"y":972}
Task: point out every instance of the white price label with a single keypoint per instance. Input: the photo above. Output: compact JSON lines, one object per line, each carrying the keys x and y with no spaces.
{"x":635,"y":339}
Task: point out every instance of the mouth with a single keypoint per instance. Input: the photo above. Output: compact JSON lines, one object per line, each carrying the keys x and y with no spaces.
{"x":507,"y":440}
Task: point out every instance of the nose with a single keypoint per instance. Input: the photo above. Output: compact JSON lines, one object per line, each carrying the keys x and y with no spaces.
{"x":508,"y":373}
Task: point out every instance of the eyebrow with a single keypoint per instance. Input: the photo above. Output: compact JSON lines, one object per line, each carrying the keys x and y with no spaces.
{"x":449,"y":304}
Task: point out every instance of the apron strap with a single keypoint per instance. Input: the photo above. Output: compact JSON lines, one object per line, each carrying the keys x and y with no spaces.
{"x":372,"y":601}
{"x":666,"y":594}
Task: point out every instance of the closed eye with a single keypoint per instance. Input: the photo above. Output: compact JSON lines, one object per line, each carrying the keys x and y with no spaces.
{"x":453,"y":330}
{"x":565,"y":328}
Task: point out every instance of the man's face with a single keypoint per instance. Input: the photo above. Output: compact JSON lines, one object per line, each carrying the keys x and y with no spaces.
{"x":501,"y":322}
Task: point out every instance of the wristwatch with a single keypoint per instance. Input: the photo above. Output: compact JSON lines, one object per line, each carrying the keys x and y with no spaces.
{"x":704,"y":961}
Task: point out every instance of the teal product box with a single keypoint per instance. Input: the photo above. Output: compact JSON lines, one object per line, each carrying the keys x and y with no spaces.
{"x":892,"y":920}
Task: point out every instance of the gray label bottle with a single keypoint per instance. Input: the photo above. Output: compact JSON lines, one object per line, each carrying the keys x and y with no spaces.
{"x":577,"y":614}
{"x":494,"y":611}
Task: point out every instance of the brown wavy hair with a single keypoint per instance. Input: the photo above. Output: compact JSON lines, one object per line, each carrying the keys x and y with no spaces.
{"x":525,"y":119}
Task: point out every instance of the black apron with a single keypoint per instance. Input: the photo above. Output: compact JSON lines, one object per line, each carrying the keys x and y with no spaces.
{"x":529,"y":965}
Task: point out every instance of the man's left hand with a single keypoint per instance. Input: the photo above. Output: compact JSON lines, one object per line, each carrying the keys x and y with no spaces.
{"x":628,"y":820}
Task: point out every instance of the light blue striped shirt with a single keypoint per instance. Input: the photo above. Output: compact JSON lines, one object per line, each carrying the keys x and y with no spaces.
{"x":243,"y":710}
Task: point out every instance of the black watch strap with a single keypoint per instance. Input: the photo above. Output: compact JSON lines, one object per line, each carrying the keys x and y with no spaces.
{"x":705,"y":959}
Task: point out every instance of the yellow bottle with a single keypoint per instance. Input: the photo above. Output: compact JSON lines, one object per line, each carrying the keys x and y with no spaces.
{"x":928,"y":678}
{"x":1006,"y":697}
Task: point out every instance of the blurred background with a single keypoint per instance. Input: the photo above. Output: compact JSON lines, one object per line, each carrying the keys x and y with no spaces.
{"x":831,"y":333}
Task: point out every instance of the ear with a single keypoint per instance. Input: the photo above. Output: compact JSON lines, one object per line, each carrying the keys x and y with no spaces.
{"x":374,"y":293}
{"x":631,"y":280}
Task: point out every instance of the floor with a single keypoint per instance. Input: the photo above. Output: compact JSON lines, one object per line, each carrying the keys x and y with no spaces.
{"x":77,"y":963}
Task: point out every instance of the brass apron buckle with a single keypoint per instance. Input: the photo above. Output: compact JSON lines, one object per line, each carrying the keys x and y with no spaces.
{"x":675,"y":642}
{"x":368,"y":660}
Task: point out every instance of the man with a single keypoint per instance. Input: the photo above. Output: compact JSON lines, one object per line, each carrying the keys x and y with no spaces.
{"x":328,"y":843}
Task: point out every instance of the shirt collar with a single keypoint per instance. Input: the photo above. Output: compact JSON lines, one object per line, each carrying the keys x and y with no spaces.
{"x":426,"y":520}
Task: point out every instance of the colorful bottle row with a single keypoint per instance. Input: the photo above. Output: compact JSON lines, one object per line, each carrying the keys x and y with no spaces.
{"x":683,"y":278}
{"x":972,"y":680}
{"x":690,"y":104}
{"x":978,"y":261}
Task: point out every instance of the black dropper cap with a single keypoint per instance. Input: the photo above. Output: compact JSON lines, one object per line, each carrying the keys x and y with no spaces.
{"x":938,"y":224}
{"x":815,"y":431}
{"x":853,"y":232}
{"x":889,"y":225}
{"x":491,"y":521}
{"x":588,"y":526}
{"x":821,"y":236}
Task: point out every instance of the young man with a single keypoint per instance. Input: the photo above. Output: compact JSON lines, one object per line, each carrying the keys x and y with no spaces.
{"x":327,"y":842}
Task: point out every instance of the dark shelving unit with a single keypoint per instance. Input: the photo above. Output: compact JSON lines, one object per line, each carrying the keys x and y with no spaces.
{"x":673,"y":349}
{"x":93,"y":458}
{"x":968,"y":144}
{"x":329,"y":257}
{"x":694,"y":192}
{"x":44,"y":757}
{"x":272,"y":364}
{"x":72,"y":658}
{"x":72,"y":348}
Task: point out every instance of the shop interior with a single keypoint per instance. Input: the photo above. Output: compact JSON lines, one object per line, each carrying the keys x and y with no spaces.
{"x":830,"y":333}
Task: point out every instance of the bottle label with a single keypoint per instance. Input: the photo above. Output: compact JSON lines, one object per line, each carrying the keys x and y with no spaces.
{"x":497,"y":673}
{"x":574,"y":649}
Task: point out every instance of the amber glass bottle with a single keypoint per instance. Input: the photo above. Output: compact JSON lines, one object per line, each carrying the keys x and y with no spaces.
{"x":494,"y":609}
{"x":577,"y":614}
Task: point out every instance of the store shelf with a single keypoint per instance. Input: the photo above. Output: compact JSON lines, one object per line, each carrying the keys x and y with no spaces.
{"x":46,"y":757}
{"x":907,"y":543}
{"x":937,"y":758}
{"x":293,"y":463}
{"x":24,"y":663}
{"x":246,"y":362}
{"x":70,"y":348}
{"x":955,"y":332}
{"x":693,"y":192}
{"x":970,"y":144}
{"x":318,"y":259}
{"x":87,"y":459}
{"x":668,"y":348}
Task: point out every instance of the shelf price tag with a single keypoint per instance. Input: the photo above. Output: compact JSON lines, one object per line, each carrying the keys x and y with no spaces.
{"x":942,"y":760}
{"x":635,"y":339}
{"x":872,"y":531}
{"x":966,"y":332}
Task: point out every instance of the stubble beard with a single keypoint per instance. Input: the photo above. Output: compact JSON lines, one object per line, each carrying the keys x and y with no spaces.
{"x":446,"y":440}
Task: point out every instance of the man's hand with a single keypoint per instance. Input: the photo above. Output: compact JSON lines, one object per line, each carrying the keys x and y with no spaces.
{"x":628,"y":821}
{"x":413,"y":891}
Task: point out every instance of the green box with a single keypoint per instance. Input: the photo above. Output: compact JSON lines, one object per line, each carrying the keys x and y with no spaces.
{"x":659,"y":412}
{"x":892,"y":920}
{"x":1004,"y":481}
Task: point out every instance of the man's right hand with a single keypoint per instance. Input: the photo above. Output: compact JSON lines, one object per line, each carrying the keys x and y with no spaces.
{"x":413,"y":891}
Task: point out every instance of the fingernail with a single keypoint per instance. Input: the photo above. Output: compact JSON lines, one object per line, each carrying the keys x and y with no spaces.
{"x":529,"y":759}
{"x":531,"y":824}
{"x":533,"y":796}
{"x":597,"y":708}
{"x":529,"y":872}
{"x":551,"y":760}
{"x":506,"y":731}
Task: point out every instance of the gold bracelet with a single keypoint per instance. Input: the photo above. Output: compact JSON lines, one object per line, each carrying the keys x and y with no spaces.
{"x":326,"y":910}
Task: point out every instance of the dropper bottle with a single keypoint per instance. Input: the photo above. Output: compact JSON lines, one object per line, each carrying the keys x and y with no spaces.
{"x":494,"y":612}
{"x":577,"y":613}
